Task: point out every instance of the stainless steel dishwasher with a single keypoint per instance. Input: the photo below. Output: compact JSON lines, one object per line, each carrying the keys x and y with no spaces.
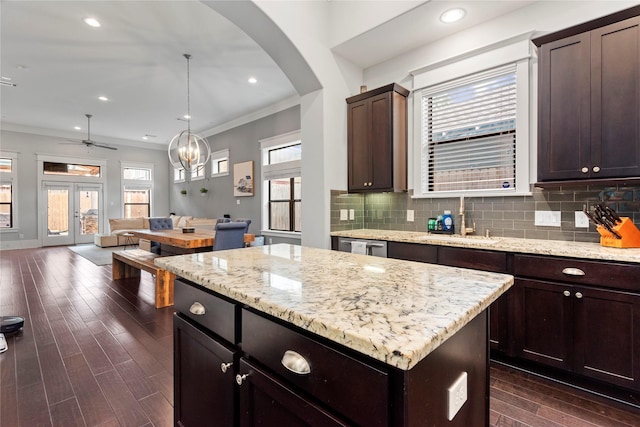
{"x":373,"y":247}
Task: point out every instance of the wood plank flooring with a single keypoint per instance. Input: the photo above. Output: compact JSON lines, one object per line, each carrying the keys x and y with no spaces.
{"x":97,"y":353}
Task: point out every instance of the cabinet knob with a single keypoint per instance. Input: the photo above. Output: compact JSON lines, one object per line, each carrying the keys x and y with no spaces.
{"x":224,"y":367}
{"x":572,"y":271}
{"x":240,"y":378}
{"x":596,"y":169}
{"x":370,"y":184}
{"x":197,"y":309}
{"x":365,"y":184}
{"x":295,"y":363}
{"x":585,"y":169}
{"x":566,"y":293}
{"x":578,"y":295}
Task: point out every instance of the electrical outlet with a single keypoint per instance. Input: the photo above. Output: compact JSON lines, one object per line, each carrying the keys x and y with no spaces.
{"x":582,"y":221}
{"x":352,"y":214}
{"x":456,"y":395}
{"x":237,"y":201}
{"x":344,"y":214}
{"x":410,"y":215}
{"x":547,"y":218}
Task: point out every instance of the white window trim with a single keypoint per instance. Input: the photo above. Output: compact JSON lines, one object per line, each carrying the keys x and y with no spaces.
{"x":217,"y":156}
{"x":12,"y":179}
{"x":279,"y":170}
{"x":137,"y":183}
{"x":516,"y":50}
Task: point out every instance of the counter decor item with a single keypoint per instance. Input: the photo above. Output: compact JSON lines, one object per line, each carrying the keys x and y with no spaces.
{"x":615,"y":231}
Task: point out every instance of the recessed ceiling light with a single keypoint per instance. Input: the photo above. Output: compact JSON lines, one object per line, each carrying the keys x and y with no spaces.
{"x":145,"y":137}
{"x":186,"y":116}
{"x":77,"y":128}
{"x":252,"y":80}
{"x":103,"y":98}
{"x":452,"y":15}
{"x":92,"y":22}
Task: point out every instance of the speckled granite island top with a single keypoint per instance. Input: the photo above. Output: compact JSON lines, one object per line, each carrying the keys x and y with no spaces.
{"x":394,"y":311}
{"x":505,"y":244}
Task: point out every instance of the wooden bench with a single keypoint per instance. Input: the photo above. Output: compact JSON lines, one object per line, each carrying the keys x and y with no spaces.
{"x":128,"y":264}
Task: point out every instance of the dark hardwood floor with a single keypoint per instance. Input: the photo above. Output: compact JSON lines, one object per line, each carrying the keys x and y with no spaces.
{"x":97,"y":353}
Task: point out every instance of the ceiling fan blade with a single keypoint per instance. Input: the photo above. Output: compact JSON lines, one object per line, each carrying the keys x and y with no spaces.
{"x":104,"y":146}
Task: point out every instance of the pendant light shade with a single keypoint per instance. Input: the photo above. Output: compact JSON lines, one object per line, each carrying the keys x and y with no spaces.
{"x":187,"y":150}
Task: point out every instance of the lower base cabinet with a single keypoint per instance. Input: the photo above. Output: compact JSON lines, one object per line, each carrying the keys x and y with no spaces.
{"x":203,"y":391}
{"x":264,"y":401}
{"x":587,"y":331}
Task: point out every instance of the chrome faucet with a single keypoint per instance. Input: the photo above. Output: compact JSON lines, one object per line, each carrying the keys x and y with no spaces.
{"x":463,"y":226}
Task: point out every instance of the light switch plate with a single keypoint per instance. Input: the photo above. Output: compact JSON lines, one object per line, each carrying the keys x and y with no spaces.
{"x":547,"y":218}
{"x":352,"y":214}
{"x":344,"y":215}
{"x":410,"y":215}
{"x":582,"y":221}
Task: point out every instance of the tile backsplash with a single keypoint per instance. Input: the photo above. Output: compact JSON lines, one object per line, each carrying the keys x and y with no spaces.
{"x":502,"y":216}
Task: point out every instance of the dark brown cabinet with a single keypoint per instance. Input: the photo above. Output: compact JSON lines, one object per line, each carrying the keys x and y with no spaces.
{"x":574,"y":326}
{"x":377,"y":140}
{"x":589,"y":102}
{"x":202,"y":390}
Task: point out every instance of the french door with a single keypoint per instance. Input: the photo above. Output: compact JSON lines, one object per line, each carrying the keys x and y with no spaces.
{"x":73,"y":212}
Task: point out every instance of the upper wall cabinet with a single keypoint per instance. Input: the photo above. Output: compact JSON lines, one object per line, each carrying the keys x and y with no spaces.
{"x":377,"y":140}
{"x":589,"y":101}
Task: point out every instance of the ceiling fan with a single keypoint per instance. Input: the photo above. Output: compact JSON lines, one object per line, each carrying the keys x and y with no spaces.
{"x":91,"y":143}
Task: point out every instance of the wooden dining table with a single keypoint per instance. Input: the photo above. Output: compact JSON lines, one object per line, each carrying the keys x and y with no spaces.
{"x":175,"y":242}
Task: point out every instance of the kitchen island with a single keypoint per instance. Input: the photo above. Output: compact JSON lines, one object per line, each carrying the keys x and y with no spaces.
{"x":332,"y":336}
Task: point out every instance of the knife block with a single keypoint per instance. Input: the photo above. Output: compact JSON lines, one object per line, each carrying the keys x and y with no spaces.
{"x":626,"y":229}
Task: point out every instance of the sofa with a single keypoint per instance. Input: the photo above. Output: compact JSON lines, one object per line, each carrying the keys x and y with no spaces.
{"x":119,"y":226}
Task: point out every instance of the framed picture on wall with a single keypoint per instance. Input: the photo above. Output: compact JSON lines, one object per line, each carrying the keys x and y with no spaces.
{"x":243,"y":179}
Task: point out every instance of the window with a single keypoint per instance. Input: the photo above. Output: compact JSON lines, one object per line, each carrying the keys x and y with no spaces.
{"x":70,"y":169}
{"x":282,"y":182}
{"x":178,"y":175}
{"x":220,"y":163}
{"x":137,"y":187}
{"x":473,"y":118}
{"x":469,"y":133}
{"x":8,"y":183}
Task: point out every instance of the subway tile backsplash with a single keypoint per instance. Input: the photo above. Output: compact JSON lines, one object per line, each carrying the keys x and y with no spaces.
{"x":502,"y":216}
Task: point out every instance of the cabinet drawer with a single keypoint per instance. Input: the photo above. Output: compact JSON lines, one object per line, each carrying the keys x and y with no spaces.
{"x":218,"y":315}
{"x":412,"y":252}
{"x":473,"y":258}
{"x":599,"y":273}
{"x":356,"y":390}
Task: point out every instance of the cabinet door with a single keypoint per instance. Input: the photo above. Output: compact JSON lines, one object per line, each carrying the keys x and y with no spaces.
{"x":265,"y":401}
{"x":615,"y":100}
{"x":543,"y":319}
{"x":606,"y":325}
{"x":358,"y":144}
{"x":202,"y":392}
{"x":564,"y":109}
{"x":381,"y":142}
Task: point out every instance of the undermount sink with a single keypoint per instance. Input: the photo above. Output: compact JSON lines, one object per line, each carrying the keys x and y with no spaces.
{"x":459,"y":238}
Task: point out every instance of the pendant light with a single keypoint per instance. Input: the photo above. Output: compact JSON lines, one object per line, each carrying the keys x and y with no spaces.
{"x":187,"y":150}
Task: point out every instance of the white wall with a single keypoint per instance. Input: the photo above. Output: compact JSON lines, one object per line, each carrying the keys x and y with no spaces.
{"x":29,"y":145}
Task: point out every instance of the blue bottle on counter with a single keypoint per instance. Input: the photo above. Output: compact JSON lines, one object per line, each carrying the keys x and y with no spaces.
{"x":447,"y":221}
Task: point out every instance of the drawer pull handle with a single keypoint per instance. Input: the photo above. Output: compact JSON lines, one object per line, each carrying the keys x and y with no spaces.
{"x":571,"y":271}
{"x":578,"y":295}
{"x":566,"y":293}
{"x":240,"y":378}
{"x":295,"y":363}
{"x":197,"y":309}
{"x":224,"y":367}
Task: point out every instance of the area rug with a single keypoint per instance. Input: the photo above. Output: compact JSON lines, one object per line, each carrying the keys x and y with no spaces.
{"x":95,"y":254}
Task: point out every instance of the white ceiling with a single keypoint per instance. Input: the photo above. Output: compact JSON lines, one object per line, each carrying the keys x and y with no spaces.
{"x":60,"y":65}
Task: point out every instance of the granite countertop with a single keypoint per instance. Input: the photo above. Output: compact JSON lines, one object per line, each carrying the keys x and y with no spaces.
{"x":394,"y":311}
{"x":529,"y":246}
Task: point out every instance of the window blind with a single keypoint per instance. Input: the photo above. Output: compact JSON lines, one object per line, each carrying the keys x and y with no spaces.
{"x":469,"y":132}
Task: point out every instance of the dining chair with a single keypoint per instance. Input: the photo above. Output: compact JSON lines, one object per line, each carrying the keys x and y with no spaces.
{"x":159,"y":224}
{"x":229,"y":235}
